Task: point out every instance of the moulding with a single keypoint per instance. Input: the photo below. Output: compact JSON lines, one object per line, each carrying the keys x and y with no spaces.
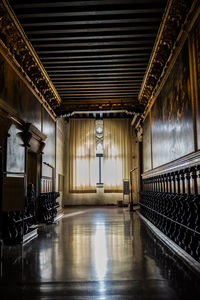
{"x":190,"y":160}
{"x":82,"y":191}
{"x":8,"y":112}
{"x":178,"y":19}
{"x":37,"y":134}
{"x":19,"y":49}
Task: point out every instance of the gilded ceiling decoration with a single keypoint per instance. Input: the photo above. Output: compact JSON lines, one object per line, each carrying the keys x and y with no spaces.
{"x":16,"y":42}
{"x":172,"y":22}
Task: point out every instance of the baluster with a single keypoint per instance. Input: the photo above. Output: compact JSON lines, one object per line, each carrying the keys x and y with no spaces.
{"x":155,"y":178}
{"x":163,"y":183}
{"x":198,"y":179}
{"x":194,"y":189}
{"x":150,"y":184}
{"x":177,"y":177}
{"x":153,"y":184}
{"x":174,"y":182}
{"x":182,"y":176}
{"x":156,"y":184}
{"x":159,"y":184}
{"x":169,"y":183}
{"x":187,"y":176}
{"x":166,"y":183}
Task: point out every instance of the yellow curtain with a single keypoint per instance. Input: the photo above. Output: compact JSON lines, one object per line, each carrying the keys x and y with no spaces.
{"x":82,"y":156}
{"x":117,"y":153}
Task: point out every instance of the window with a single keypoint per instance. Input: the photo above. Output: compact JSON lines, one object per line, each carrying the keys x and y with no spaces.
{"x":99,"y":148}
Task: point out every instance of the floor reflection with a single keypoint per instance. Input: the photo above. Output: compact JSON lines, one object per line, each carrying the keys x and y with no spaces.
{"x":101,"y":253}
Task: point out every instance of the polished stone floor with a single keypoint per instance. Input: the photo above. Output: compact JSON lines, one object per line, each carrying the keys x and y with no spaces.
{"x":96,"y":254}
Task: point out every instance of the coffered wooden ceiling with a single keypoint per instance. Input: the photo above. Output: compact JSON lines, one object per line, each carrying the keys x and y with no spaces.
{"x":95,"y":52}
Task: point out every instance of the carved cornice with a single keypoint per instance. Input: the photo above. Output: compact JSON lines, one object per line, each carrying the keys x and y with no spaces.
{"x":15,"y":40}
{"x":177,"y":16}
{"x":94,"y":105}
{"x":32,"y":138}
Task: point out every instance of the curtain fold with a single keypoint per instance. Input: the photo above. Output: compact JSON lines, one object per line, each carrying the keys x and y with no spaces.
{"x":117,"y":153}
{"x":83,"y":175}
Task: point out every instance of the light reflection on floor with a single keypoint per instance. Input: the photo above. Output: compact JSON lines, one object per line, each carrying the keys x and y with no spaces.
{"x":100,"y":251}
{"x":101,"y":254}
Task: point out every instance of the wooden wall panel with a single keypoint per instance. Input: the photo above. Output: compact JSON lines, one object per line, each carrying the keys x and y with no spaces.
{"x":49,"y":156}
{"x":147,"y":163}
{"x":13,"y":193}
{"x":172,"y":121}
{"x":197,"y":40}
{"x":15,"y":93}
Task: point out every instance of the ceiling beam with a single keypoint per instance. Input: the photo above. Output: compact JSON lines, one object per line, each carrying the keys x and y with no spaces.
{"x":108,"y":100}
{"x":92,"y":89}
{"x":101,"y":97}
{"x":93,"y":37}
{"x":92,"y":66}
{"x":101,"y":93}
{"x":97,"y":86}
{"x":98,"y":71}
{"x":42,"y":23}
{"x":100,"y":56}
{"x":109,"y":74}
{"x":84,"y":3}
{"x":137,"y":44}
{"x":40,"y":32}
{"x":91,"y":13}
{"x":143,"y":60}
{"x":97,"y":82}
{"x":91,"y":50}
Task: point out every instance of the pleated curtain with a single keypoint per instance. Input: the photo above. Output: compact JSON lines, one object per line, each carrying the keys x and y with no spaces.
{"x":117,"y":153}
{"x":83,"y":169}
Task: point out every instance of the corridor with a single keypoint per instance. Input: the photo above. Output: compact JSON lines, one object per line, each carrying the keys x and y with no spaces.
{"x":95,"y":253}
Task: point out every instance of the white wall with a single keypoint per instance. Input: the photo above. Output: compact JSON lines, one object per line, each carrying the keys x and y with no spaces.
{"x":60,"y":154}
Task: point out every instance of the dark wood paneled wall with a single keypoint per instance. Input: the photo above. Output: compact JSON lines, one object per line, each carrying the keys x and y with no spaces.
{"x":174,"y":131}
{"x":49,"y":150}
{"x":170,"y":198}
{"x":196,"y":65}
{"x":147,"y":151}
{"x":16,"y":94}
{"x":171,"y":115}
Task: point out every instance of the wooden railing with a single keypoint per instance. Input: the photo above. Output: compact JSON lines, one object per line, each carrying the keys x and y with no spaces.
{"x":171,"y":201}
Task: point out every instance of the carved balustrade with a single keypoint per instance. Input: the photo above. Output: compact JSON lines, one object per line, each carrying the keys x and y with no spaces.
{"x":171,"y":202}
